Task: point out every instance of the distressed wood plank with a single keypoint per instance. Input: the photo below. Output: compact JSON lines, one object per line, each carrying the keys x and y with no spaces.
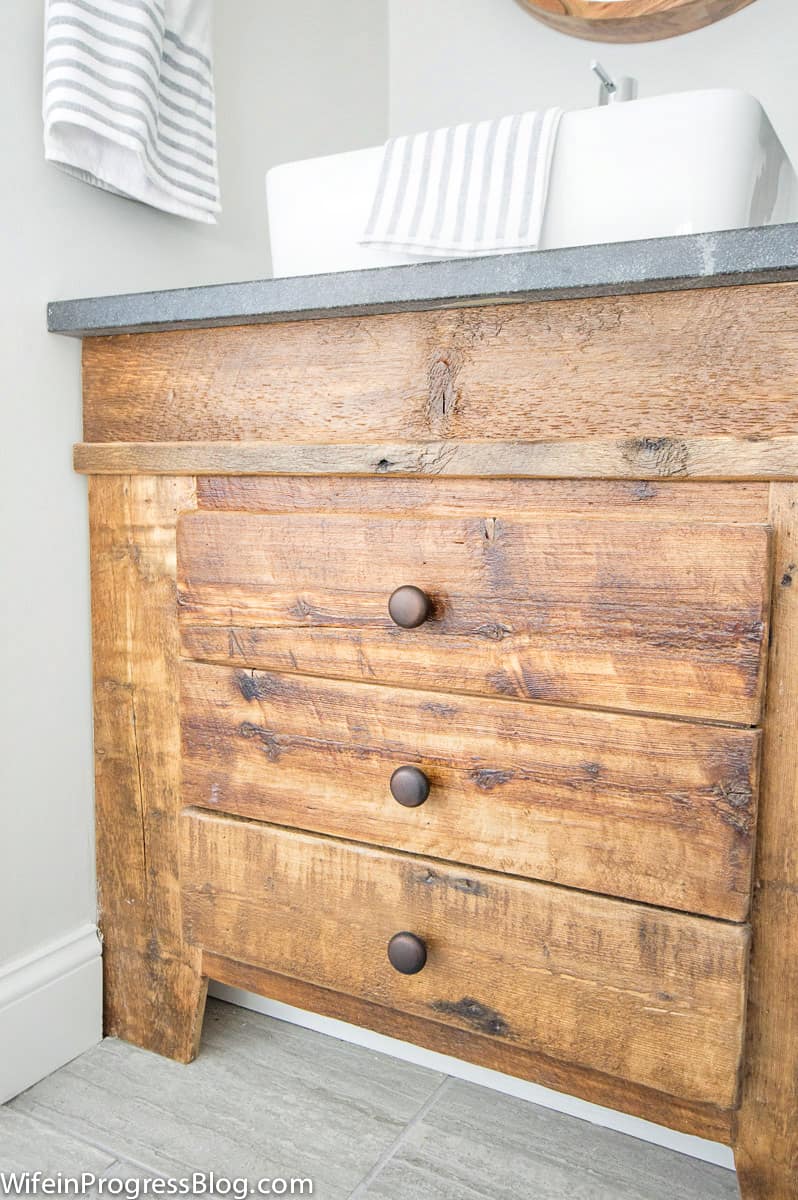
{"x":766,"y":1134}
{"x":649,"y":618}
{"x":702,"y":1120}
{"x":661,"y":1004}
{"x":684,"y":501}
{"x":154,"y":990}
{"x":651,"y":810}
{"x":641,"y":458}
{"x":711,"y":361}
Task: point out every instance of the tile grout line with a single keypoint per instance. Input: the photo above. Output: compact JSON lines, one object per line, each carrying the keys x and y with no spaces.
{"x":388,"y":1153}
{"x":119,"y":1156}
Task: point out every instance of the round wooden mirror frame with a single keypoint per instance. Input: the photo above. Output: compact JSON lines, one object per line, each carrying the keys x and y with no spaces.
{"x":630,"y":20}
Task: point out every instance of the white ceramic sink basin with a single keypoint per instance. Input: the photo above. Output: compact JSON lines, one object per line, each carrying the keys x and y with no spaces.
{"x":690,"y":162}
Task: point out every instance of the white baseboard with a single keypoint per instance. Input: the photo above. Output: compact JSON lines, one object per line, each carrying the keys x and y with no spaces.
{"x":646,"y":1131}
{"x":50,"y":1009}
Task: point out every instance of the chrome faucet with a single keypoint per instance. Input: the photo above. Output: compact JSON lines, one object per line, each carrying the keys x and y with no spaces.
{"x":613,"y":91}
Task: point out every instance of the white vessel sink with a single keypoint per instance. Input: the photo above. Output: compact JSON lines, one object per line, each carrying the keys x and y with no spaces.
{"x":690,"y":162}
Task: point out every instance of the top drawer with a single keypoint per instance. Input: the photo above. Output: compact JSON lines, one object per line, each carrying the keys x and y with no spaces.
{"x":630,"y":615}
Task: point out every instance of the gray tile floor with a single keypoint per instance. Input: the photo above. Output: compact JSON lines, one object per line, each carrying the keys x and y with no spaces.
{"x":267,"y":1099}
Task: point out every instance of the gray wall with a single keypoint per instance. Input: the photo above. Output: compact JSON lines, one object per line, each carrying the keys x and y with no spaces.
{"x":462,"y":60}
{"x":294,"y":78}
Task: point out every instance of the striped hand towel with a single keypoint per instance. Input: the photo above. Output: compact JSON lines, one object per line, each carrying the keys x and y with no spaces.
{"x":469,"y":189}
{"x":129,"y":102}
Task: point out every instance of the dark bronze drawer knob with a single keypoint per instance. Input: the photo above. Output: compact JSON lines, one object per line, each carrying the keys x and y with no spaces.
{"x":409,"y":786}
{"x":409,"y":607}
{"x":407,"y":953}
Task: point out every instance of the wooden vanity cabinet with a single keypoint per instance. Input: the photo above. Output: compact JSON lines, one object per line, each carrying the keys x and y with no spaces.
{"x":564,"y":768}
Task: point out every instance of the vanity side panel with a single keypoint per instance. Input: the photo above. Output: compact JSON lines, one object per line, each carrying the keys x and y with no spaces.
{"x":153,"y":985}
{"x":766,"y":1134}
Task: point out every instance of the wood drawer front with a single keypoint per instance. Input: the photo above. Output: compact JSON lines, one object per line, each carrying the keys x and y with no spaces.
{"x":640,"y":617}
{"x":640,"y":994}
{"x":647,"y":809}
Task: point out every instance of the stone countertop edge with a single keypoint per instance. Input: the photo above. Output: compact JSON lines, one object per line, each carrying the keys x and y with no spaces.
{"x":767,"y":254}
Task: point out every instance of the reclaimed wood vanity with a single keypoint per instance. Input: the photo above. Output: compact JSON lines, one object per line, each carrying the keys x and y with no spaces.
{"x":446,"y":669}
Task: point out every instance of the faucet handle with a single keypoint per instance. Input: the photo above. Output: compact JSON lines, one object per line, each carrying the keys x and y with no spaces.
{"x":613,"y":91}
{"x":608,"y":84}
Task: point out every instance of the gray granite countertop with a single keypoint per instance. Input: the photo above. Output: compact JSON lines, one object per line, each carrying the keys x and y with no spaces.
{"x":763,"y":255}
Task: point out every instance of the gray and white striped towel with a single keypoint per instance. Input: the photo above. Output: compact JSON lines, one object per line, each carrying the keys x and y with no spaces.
{"x":469,"y":189}
{"x":129,"y":102}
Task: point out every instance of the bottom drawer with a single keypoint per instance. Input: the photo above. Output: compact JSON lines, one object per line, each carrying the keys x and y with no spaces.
{"x":642,"y":994}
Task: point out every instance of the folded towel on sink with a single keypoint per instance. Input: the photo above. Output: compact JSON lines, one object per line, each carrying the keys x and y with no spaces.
{"x":468,"y":189}
{"x":129,"y":100}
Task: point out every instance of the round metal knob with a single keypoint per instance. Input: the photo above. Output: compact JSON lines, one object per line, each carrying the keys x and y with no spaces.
{"x":407,"y":953}
{"x":409,"y":786}
{"x":409,"y":607}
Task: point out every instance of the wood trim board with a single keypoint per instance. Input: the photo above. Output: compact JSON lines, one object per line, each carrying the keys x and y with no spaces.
{"x":663,"y":458}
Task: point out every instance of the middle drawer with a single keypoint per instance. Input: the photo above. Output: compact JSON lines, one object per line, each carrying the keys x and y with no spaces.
{"x":648,"y":809}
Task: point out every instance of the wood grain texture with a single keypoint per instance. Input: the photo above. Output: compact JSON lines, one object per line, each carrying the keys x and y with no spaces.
{"x":702,"y":1120}
{"x":651,"y":810}
{"x":637,"y":993}
{"x":711,"y":362}
{"x":650,"y":618}
{"x":710,"y":458}
{"x":631,"y":20}
{"x":578,"y":499}
{"x":766,"y":1135}
{"x":154,"y":990}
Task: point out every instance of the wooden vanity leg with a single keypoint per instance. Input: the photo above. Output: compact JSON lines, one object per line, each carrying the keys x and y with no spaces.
{"x":766,"y":1135}
{"x":154,"y":990}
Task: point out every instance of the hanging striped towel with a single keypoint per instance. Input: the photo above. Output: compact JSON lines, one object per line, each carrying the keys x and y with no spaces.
{"x":129,"y":101}
{"x":469,"y":189}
